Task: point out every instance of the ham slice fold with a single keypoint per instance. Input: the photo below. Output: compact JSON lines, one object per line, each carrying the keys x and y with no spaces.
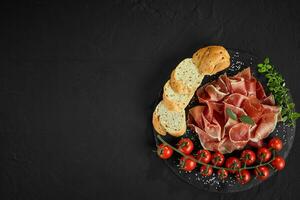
{"x":243,"y":95}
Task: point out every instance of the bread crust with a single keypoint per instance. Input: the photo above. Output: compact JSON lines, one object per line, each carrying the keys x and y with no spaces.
{"x":211,"y":59}
{"x":178,"y":86}
{"x":173,"y":105}
{"x":157,"y":126}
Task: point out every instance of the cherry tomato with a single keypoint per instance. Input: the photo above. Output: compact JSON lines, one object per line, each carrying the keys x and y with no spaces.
{"x":203,"y":156}
{"x":243,"y":176}
{"x":263,"y":154}
{"x":223,"y":174}
{"x":248,"y":157}
{"x":232,"y":163}
{"x":206,"y":170}
{"x":262,"y":172}
{"x":185,"y":145}
{"x":278,"y":163}
{"x":218,"y":159}
{"x":275,"y":143}
{"x":187,"y":164}
{"x":164,"y":151}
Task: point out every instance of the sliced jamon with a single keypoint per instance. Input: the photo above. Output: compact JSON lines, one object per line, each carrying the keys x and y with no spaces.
{"x":238,"y":85}
{"x":243,"y":95}
{"x":260,"y":92}
{"x":270,"y":100}
{"x":258,"y":144}
{"x":274,"y":109}
{"x":253,"y":108}
{"x":230,"y":122}
{"x":239,"y":133}
{"x":226,"y":80}
{"x":213,"y":129}
{"x":235,"y":99}
{"x":221,"y":84}
{"x":251,"y":87}
{"x":214,"y":94}
{"x":206,"y":141}
{"x":265,"y":126}
{"x":226,"y":146}
{"x":195,"y":116}
{"x":238,"y":111}
{"x":201,"y":94}
{"x":246,"y":74}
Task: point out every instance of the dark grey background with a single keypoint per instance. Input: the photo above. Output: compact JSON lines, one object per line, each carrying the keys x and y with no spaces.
{"x":78,"y":82}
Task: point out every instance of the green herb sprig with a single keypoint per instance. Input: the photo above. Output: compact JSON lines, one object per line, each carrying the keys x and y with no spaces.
{"x":276,"y":85}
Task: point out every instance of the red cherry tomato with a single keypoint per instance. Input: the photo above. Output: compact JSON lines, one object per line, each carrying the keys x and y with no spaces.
{"x":218,"y":159}
{"x":187,"y":164}
{"x":185,"y":145}
{"x":262,"y":173}
{"x":243,"y":176}
{"x":203,"y":156}
{"x":164,"y":151}
{"x":248,"y":157}
{"x":222,"y":174}
{"x":278,"y":163}
{"x":263,"y":154}
{"x":206,"y":170}
{"x":275,"y":143}
{"x":232,"y":163}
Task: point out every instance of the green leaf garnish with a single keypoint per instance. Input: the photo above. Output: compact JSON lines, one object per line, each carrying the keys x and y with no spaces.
{"x":231,"y":114}
{"x":246,"y":119}
{"x":267,"y":60}
{"x":276,"y":85}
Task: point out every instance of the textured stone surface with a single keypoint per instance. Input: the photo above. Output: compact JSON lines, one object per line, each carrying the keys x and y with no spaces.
{"x":78,"y":82}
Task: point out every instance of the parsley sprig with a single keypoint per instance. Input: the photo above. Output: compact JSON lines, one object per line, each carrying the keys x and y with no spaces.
{"x":276,"y":85}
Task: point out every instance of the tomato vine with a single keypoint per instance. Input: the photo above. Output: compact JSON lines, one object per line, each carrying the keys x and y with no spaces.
{"x":268,"y":163}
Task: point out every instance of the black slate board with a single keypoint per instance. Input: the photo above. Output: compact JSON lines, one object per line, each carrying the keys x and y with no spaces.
{"x":239,"y":61}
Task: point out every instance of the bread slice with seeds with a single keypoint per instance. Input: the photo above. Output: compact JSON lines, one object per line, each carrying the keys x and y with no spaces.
{"x":172,"y":122}
{"x":185,"y":78}
{"x":173,"y":100}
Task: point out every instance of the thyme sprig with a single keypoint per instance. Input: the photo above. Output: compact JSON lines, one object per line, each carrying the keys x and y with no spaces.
{"x":276,"y":85}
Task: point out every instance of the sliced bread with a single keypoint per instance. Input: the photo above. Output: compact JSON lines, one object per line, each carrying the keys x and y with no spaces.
{"x":173,"y":100}
{"x":172,"y":122}
{"x":185,"y":78}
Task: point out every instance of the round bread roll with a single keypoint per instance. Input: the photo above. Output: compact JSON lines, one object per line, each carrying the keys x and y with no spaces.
{"x":211,"y":59}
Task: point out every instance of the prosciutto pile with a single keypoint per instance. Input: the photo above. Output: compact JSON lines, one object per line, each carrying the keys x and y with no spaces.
{"x":243,"y":95}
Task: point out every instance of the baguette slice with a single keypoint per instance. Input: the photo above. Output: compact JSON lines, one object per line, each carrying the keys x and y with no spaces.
{"x":172,"y":122}
{"x":175,"y":101}
{"x":157,"y":126}
{"x":186,"y":77}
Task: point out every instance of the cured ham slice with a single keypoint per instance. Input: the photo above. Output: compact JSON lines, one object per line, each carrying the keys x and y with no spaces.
{"x":270,"y":100}
{"x":212,"y":129}
{"x":226,"y":146}
{"x":195,"y":116}
{"x":265,"y":126}
{"x":238,"y":85}
{"x":260,"y":92}
{"x":213,"y":93}
{"x":235,"y":99}
{"x":206,"y":141}
{"x":243,"y":95}
{"x":239,"y":133}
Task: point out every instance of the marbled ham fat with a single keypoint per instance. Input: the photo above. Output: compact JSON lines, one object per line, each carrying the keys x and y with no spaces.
{"x":244,"y":95}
